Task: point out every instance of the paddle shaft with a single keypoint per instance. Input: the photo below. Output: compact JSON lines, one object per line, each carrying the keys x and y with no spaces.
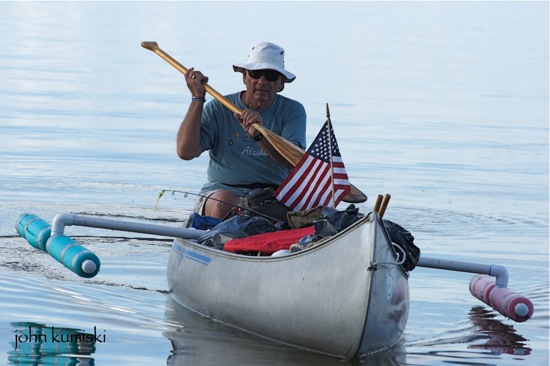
{"x":384,"y":204}
{"x":377,"y":204}
{"x":279,"y":149}
{"x":284,"y":152}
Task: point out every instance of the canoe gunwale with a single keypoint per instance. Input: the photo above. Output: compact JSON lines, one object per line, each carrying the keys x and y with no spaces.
{"x":245,"y":257}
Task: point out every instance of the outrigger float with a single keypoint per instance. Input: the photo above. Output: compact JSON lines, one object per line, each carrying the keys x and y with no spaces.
{"x":347,"y":296}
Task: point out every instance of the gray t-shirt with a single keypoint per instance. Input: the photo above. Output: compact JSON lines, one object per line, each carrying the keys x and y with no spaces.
{"x":235,"y":158}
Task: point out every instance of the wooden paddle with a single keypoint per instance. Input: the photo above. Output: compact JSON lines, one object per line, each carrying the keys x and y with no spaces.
{"x":384,"y":204}
{"x":377,"y":204}
{"x":278,"y":148}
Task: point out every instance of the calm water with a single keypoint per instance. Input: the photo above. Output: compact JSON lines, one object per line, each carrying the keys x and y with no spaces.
{"x":444,"y":105}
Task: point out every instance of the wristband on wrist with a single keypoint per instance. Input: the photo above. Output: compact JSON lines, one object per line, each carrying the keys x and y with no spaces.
{"x":198,"y":99}
{"x":258,"y":137}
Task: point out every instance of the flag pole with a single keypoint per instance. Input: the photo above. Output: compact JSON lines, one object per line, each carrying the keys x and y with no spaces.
{"x":330,"y":155}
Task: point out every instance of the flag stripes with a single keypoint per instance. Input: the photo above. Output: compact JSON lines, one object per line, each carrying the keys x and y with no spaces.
{"x":310,"y":184}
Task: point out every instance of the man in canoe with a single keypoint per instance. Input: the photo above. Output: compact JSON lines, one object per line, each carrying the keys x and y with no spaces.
{"x":238,"y":161}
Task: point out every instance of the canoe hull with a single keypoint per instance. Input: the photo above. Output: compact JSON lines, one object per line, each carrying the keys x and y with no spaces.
{"x":327,"y":299}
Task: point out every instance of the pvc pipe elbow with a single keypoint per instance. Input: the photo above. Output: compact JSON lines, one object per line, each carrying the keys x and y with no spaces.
{"x":60,"y":221}
{"x":500,"y":273}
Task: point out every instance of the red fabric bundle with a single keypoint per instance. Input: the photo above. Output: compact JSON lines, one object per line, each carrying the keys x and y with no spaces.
{"x":268,"y":243}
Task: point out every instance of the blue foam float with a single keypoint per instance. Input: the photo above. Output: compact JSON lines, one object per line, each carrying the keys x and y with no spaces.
{"x":73,"y":256}
{"x":65,"y":250}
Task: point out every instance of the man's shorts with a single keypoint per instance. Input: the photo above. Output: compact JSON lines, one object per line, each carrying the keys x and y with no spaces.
{"x":199,"y":203}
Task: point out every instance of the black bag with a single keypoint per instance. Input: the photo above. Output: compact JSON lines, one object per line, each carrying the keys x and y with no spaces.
{"x":342,"y":219}
{"x":260,"y":202}
{"x":404,"y":239}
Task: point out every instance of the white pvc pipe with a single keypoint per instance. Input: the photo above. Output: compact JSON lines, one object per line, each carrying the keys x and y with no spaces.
{"x":494,"y":270}
{"x":68,"y":219}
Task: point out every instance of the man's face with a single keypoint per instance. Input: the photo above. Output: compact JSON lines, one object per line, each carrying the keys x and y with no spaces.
{"x":261,"y":87}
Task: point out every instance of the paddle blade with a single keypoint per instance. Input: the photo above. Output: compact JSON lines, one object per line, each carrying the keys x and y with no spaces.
{"x":355,"y":196}
{"x":280,"y":149}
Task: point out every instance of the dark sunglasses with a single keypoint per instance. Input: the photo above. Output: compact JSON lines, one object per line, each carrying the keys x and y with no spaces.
{"x":270,"y":75}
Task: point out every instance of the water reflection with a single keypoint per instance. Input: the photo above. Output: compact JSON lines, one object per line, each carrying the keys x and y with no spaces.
{"x":200,"y":341}
{"x":501,"y":338}
{"x":486,"y":337}
{"x":38,"y":344}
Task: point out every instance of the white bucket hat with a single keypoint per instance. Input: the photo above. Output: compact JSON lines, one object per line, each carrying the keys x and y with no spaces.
{"x":266,"y":55}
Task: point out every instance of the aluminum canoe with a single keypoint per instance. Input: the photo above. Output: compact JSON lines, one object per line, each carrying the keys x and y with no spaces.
{"x":345,"y":297}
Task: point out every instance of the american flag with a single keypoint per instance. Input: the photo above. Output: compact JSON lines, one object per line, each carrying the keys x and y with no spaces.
{"x":310,"y":183}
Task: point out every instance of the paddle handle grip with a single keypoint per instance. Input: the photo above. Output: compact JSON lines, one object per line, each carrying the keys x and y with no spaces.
{"x":377,"y":204}
{"x":384,"y":204}
{"x":507,"y":302}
